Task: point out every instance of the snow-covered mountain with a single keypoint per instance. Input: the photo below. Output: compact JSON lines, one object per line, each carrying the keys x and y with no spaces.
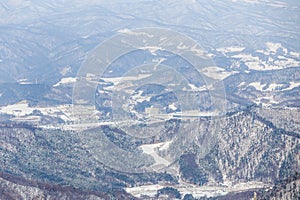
{"x":150,"y":105}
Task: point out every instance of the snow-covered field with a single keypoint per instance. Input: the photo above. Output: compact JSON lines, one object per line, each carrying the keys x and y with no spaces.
{"x":118,"y":80}
{"x":293,"y":85}
{"x":91,"y":78}
{"x":230,"y":49}
{"x":268,"y":97}
{"x":196,"y":191}
{"x":278,"y":57}
{"x":271,"y":87}
{"x":67,"y":80}
{"x":151,"y":149}
{"x":216,"y":72}
{"x":19,"y":109}
{"x":254,"y":63}
{"x":23,"y":112}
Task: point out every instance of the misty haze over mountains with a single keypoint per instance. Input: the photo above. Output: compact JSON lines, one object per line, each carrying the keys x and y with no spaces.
{"x":251,"y":146}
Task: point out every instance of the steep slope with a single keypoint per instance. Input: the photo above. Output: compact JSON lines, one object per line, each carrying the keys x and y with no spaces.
{"x":252,"y":148}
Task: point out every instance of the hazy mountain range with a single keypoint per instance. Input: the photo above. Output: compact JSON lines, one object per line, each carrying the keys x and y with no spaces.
{"x":253,"y":146}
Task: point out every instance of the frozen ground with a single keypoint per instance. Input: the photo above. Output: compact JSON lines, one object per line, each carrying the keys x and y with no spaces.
{"x":196,"y":191}
{"x":151,"y":149}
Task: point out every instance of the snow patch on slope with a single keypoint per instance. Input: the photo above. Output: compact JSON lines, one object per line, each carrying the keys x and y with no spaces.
{"x":216,"y":72}
{"x":18,"y":109}
{"x":66,"y":80}
{"x":151,"y":149}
